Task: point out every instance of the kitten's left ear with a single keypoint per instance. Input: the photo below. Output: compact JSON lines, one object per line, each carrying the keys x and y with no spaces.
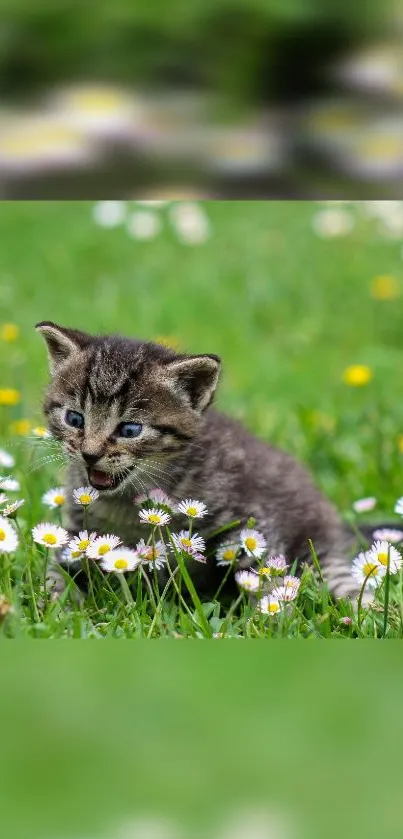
{"x":61,"y":343}
{"x":197,"y":376}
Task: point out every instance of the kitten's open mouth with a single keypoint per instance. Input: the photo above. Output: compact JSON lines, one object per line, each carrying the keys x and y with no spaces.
{"x":103,"y":480}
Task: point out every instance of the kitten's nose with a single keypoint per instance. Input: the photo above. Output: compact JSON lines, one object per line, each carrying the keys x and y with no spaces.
{"x":89,"y":458}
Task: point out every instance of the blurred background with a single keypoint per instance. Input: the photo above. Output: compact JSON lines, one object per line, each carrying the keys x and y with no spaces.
{"x":225,"y":98}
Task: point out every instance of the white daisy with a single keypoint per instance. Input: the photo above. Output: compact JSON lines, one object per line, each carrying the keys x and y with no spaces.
{"x":10,"y":510}
{"x":379,"y":553}
{"x":3,"y":498}
{"x":6,"y":460}
{"x":154,"y":517}
{"x":143,"y":225}
{"x":291,"y":582}
{"x":109,"y":213}
{"x":399,"y":506}
{"x":388,"y":534}
{"x":276,"y":563}
{"x":82,"y":542}
{"x":286,"y":593}
{"x":8,"y":537}
{"x":247,"y":580}
{"x":10,"y":484}
{"x":364,"y":505}
{"x":190,"y":223}
{"x":227,"y":553}
{"x":155,"y":496}
{"x":49,"y":535}
{"x":54,"y":497}
{"x":85,"y":496}
{"x":330,"y":223}
{"x":252,"y":542}
{"x":101,"y":545}
{"x":42,"y":432}
{"x":69,"y":555}
{"x":120,"y":560}
{"x":183,"y":541}
{"x":192,"y":509}
{"x":154,"y":555}
{"x":364,"y":567}
{"x":269,"y":605}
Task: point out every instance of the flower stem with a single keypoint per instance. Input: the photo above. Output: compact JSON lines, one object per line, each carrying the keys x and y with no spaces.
{"x":360,"y":596}
{"x":125,"y":589}
{"x":190,"y":587}
{"x":45,"y":574}
{"x":161,"y":601}
{"x":387,"y":588}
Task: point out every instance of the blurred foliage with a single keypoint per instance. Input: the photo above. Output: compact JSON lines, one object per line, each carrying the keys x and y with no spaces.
{"x":236,"y":48}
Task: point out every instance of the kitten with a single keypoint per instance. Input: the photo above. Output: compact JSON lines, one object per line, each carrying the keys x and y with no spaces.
{"x":134,"y":415}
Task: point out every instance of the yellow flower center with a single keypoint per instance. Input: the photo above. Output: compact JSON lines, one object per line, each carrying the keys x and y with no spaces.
{"x":154,"y":519}
{"x":2,"y":535}
{"x":187,"y":543}
{"x":191,"y":511}
{"x":265,"y":572}
{"x":76,"y":554}
{"x":357,"y":375}
{"x":59,"y":500}
{"x":121,"y":564}
{"x":251,"y":543}
{"x":50,"y":539}
{"x":383,"y":559}
{"x":83,"y":545}
{"x":103,"y":549}
{"x":229,"y":555}
{"x":370,"y":569}
{"x":274,"y":607}
{"x":85,"y":499}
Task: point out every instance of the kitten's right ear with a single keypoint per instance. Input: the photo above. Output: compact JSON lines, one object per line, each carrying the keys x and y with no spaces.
{"x":61,"y":343}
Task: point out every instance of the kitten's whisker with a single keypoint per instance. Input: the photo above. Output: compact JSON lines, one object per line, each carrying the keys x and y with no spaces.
{"x":46,"y":462}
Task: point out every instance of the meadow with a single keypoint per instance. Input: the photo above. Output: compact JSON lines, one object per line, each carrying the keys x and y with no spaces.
{"x":303,"y":302}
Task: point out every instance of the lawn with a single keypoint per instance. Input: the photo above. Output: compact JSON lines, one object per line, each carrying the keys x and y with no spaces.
{"x":287,"y":309}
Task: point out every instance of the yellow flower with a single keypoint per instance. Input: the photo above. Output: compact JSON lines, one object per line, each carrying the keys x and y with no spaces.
{"x":9,"y":332}
{"x":357,"y":375}
{"x":40,"y":431}
{"x":21,"y":427}
{"x":385,"y":287}
{"x":9,"y":396}
{"x":168,"y":341}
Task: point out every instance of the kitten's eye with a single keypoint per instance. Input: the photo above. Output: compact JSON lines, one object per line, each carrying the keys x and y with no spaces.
{"x":74,"y":419}
{"x":129,"y":429}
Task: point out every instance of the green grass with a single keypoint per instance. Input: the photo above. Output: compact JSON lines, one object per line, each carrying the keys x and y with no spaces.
{"x":286,"y":310}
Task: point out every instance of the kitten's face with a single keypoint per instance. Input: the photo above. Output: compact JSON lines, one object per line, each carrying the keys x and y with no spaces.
{"x":122,"y":407}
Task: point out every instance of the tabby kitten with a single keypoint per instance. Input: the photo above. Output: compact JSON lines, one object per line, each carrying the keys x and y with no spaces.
{"x":134,"y":415}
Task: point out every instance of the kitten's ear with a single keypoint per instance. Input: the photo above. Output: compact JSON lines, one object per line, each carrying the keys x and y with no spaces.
{"x":198,"y":377}
{"x":61,"y":343}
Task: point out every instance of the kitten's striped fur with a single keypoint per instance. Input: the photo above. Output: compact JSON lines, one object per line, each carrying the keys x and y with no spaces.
{"x":186,"y":448}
